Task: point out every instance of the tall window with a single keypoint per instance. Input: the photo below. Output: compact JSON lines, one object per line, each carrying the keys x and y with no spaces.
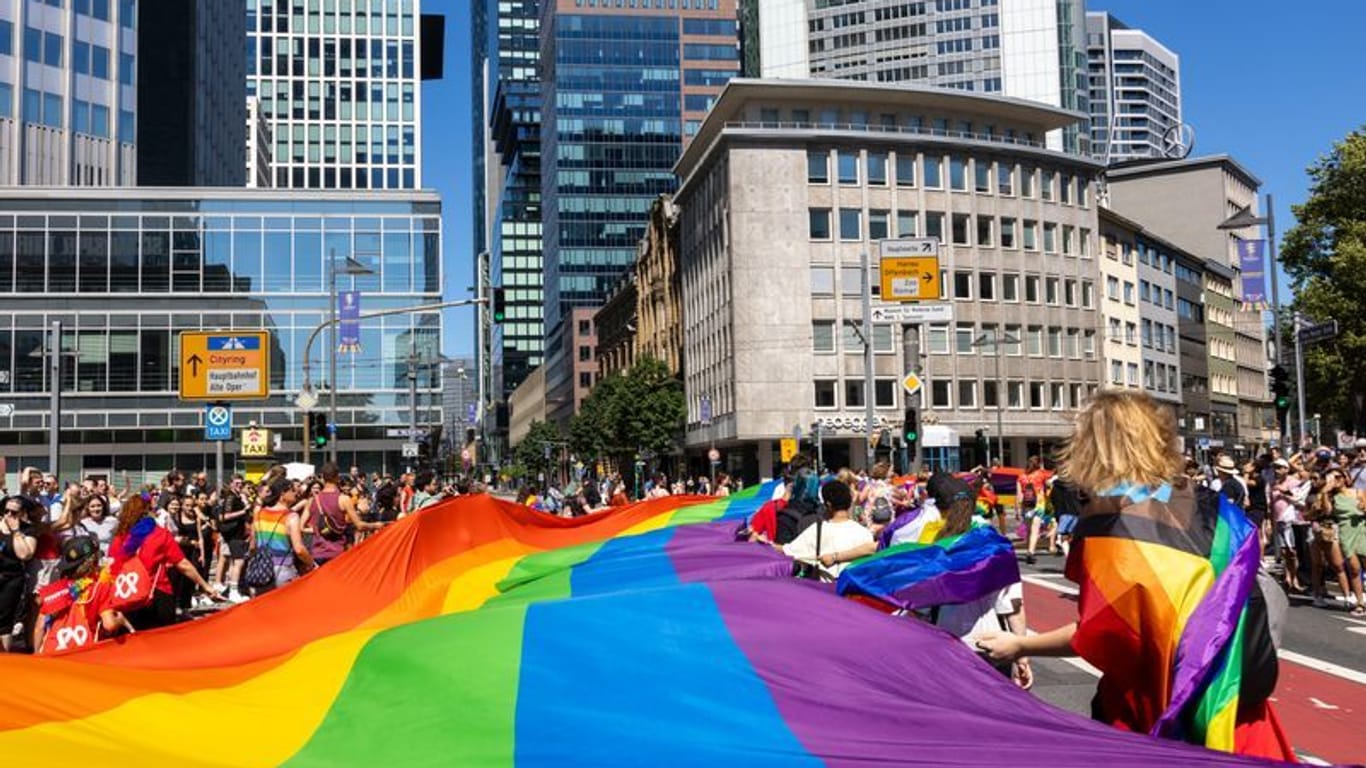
{"x":934,"y":168}
{"x":958,"y":177}
{"x":818,"y":167}
{"x":877,"y":168}
{"x":848,"y":167}
{"x":851,"y":227}
{"x":1004,"y":185}
{"x":819,"y":227}
{"x":905,"y":224}
{"x":905,"y":169}
{"x":982,"y":175}
{"x":877,"y":225}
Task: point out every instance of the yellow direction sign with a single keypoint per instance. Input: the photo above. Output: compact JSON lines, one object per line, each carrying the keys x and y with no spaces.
{"x":224,"y":365}
{"x":255,"y":442}
{"x":788,"y":447}
{"x":911,"y":383}
{"x":910,"y":269}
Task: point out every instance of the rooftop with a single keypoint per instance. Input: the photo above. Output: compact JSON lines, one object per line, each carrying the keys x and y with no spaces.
{"x":1134,"y":169}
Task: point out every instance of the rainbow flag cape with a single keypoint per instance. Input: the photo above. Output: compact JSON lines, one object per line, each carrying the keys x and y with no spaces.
{"x":482,"y":633}
{"x":957,"y":569}
{"x":1164,"y":612}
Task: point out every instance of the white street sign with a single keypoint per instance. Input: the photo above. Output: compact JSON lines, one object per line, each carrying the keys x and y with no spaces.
{"x":306,"y":399}
{"x":6,"y":410}
{"x":410,"y":450}
{"x":406,"y":432}
{"x":912,"y":313}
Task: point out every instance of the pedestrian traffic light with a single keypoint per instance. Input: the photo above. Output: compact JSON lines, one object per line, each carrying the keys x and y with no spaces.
{"x":983,"y":447}
{"x":498,"y":305}
{"x":910,"y":428}
{"x":320,"y":432}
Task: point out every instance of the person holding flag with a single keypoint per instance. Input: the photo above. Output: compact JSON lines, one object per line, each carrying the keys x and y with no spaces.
{"x":84,"y":605}
{"x":1169,"y":604}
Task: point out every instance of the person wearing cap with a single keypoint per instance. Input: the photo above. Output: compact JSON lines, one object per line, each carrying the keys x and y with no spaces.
{"x":83,"y":605}
{"x":1002,"y":610}
{"x":1287,"y":496}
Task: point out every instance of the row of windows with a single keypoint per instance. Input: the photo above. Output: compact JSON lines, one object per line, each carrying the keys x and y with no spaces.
{"x":299,"y":56}
{"x":345,"y":176}
{"x":1156,"y":336}
{"x":699,"y":5}
{"x":964,"y":229}
{"x":884,"y":393}
{"x":1035,"y":341}
{"x":1038,"y":289}
{"x":874,"y":168}
{"x":336,"y":19}
{"x":1159,"y":377}
{"x":1042,"y":395}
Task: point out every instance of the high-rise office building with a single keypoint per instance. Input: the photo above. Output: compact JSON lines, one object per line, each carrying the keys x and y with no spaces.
{"x":515,"y":244}
{"x":622,"y":90}
{"x":191,"y":93}
{"x":1135,"y":90}
{"x":339,"y":81}
{"x":258,"y":147}
{"x":1030,"y":49}
{"x":68,"y":102}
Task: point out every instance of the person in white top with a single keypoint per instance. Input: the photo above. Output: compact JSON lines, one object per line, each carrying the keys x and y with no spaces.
{"x":841,"y":538}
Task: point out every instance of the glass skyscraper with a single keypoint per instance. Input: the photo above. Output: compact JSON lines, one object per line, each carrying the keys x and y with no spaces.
{"x":339,"y":82}
{"x":126,"y":272}
{"x":67,"y":95}
{"x":622,"y":90}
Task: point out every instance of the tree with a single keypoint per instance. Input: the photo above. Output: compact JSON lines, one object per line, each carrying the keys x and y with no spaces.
{"x":530,"y":452}
{"x":1325,"y":257}
{"x":640,"y":410}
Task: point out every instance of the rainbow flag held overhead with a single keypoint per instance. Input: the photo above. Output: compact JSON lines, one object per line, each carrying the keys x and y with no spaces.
{"x":482,"y":633}
{"x":957,"y":569}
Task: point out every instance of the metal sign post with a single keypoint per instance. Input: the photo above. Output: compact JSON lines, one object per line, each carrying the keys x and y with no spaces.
{"x":870,"y":455}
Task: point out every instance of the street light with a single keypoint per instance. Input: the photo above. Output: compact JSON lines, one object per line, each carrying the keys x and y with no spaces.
{"x":353,"y":268}
{"x":53,"y":355}
{"x":1242,"y":220}
{"x":985,"y":340}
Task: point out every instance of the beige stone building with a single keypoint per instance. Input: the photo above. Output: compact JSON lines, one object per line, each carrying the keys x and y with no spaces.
{"x":788,"y":183}
{"x":659,"y":288}
{"x":527,"y":404}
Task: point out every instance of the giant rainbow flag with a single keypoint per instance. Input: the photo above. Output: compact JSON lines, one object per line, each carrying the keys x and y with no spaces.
{"x":480,"y":633}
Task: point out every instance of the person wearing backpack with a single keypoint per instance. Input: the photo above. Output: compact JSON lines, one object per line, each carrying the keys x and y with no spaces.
{"x":834,"y":541}
{"x":139,"y":537}
{"x":277,"y":539}
{"x":84,"y":605}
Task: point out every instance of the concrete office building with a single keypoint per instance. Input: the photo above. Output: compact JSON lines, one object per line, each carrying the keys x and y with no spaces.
{"x":1139,"y":310}
{"x":1184,"y":202}
{"x":773,"y":223}
{"x":1029,"y":49}
{"x":126,"y":271}
{"x":1135,"y":90}
{"x":68,"y":101}
{"x":1193,"y":419}
{"x":622,"y":91}
{"x":340,"y":82}
{"x":191,"y":93}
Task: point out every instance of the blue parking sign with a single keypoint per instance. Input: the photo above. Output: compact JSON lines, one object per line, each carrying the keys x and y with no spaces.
{"x":217,"y":422}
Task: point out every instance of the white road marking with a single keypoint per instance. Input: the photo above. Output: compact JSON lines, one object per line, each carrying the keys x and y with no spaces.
{"x":1326,"y":667}
{"x":1320,"y":704}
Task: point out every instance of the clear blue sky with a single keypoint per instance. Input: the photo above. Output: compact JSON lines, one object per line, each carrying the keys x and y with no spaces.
{"x":1271,"y":83}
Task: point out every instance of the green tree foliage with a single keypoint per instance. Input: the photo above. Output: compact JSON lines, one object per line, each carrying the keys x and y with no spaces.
{"x":1325,"y":257}
{"x":529,"y":454}
{"x":639,"y":410}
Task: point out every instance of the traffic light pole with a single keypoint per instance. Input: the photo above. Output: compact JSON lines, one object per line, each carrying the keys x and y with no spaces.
{"x":910,"y":352}
{"x":870,"y":417}
{"x":1299,"y":379}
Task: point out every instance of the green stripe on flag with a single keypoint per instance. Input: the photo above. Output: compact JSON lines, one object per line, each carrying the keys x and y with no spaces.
{"x":543,"y":575}
{"x":436,"y":692}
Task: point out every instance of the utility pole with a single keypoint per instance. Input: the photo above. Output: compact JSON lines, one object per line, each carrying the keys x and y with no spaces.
{"x":54,"y":366}
{"x":1299,"y":379}
{"x":870,"y":412}
{"x":412,"y":392}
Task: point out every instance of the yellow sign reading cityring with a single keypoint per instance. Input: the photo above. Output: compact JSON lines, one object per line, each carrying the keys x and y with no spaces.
{"x":224,"y":365}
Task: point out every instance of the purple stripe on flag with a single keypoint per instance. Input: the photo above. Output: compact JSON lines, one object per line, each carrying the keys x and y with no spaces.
{"x":860,"y":688}
{"x":709,"y":551}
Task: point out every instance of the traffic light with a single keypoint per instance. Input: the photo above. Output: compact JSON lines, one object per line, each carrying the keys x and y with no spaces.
{"x":498,"y":305}
{"x":1280,"y":388}
{"x":910,"y":429}
{"x":320,"y":432}
{"x":983,"y":446}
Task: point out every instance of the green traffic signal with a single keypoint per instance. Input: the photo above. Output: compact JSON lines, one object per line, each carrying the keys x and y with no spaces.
{"x":1283,"y":403}
{"x":498,"y":305}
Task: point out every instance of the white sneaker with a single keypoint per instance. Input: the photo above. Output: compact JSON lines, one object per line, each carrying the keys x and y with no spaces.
{"x":236,"y":597}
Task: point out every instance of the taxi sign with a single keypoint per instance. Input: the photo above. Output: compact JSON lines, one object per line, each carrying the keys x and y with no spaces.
{"x":255,"y":442}
{"x":909,"y":269}
{"x":224,"y":365}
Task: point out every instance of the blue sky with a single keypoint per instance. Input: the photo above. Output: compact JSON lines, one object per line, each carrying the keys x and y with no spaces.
{"x":1271,"y":83}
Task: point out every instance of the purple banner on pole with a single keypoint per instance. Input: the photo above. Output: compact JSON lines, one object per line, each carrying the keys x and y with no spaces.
{"x":348,"y":314}
{"x":1252,"y":263}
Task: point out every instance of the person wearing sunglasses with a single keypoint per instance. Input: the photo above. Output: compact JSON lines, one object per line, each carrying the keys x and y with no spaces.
{"x":17,"y":547}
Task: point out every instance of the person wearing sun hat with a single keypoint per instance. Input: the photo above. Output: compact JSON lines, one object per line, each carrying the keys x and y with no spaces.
{"x":1231,"y":484}
{"x":83,"y":605}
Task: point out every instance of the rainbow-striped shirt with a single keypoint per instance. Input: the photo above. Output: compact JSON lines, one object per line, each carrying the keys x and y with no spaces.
{"x":272,"y":531}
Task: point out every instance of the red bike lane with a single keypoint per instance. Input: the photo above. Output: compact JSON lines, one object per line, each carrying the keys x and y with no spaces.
{"x":1321,"y":710}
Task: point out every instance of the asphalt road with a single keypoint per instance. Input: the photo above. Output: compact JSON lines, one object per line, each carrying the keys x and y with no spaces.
{"x":1320,"y":693}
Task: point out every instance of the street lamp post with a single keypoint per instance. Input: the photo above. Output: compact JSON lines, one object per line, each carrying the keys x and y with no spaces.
{"x":989,"y":339}
{"x":353,"y":268}
{"x":1242,"y":220}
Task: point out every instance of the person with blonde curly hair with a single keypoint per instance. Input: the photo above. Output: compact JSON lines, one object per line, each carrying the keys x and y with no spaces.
{"x":1170,"y":608}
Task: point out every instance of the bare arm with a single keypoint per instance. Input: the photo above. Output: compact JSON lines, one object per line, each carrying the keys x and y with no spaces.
{"x":349,"y":508}
{"x":24,"y":545}
{"x":296,"y":540}
{"x":1009,"y":647}
{"x":846,"y":555}
{"x":187,"y":570}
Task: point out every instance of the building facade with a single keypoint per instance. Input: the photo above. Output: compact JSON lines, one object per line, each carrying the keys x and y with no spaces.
{"x":659,"y":289}
{"x":1184,"y":202}
{"x":1193,"y":420}
{"x":780,"y":217}
{"x":127,"y":273}
{"x":616,"y":325}
{"x":460,"y":404}
{"x":1030,"y":49}
{"x":526,"y":405}
{"x":622,"y":92}
{"x":68,"y":98}
{"x":1135,"y":90}
{"x":340,"y":84}
{"x":191,"y":93}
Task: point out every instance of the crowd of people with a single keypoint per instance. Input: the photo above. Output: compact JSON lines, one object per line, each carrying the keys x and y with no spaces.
{"x":85,"y":561}
{"x":588,"y":495}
